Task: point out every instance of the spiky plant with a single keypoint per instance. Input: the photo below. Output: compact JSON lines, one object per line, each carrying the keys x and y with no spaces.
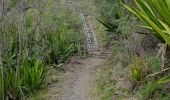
{"x":155,"y":14}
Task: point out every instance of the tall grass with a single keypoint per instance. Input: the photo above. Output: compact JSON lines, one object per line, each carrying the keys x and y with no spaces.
{"x":29,"y":78}
{"x":33,"y":74}
{"x":34,"y":35}
{"x":61,"y":47}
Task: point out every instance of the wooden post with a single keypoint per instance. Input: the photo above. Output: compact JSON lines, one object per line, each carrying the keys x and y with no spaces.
{"x":163,"y":56}
{"x":161,"y":53}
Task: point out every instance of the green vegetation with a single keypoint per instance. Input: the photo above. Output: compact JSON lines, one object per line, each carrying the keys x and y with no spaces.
{"x":147,"y":13}
{"x":38,"y":34}
{"x":34,"y":36}
{"x":135,"y":28}
{"x":149,"y":91}
{"x":106,"y":83}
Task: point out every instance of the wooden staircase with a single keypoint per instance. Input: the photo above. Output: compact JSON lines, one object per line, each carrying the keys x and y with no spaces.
{"x":91,"y":41}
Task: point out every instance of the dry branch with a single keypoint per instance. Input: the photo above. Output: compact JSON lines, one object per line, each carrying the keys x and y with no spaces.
{"x":157,"y":73}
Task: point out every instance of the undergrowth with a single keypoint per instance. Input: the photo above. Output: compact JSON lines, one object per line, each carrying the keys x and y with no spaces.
{"x":137,"y":52}
{"x":106,"y":83}
{"x":35,"y":35}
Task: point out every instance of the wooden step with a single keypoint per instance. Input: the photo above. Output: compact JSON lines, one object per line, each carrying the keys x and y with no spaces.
{"x":102,"y":57}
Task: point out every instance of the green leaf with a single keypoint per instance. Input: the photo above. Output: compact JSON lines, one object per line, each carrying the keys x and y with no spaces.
{"x":147,"y":27}
{"x":164,"y":79}
{"x":147,"y":14}
{"x":163,"y":9}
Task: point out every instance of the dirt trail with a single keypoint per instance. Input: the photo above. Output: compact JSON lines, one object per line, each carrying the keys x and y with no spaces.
{"x":76,"y":83}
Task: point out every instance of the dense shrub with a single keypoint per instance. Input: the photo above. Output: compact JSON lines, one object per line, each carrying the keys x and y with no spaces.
{"x":34,"y":35}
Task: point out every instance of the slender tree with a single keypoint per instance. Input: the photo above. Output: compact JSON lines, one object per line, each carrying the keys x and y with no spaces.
{"x":1,"y":64}
{"x":2,"y":74}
